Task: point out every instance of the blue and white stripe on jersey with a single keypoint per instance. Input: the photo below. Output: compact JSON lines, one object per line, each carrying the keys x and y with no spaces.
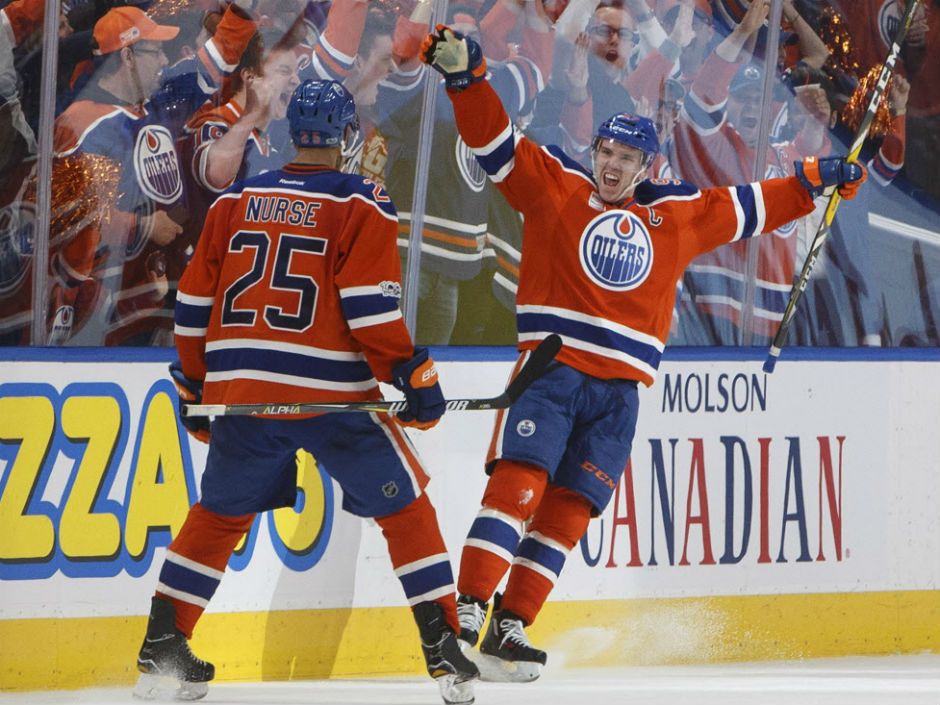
{"x":365,"y":306}
{"x":705,"y":119}
{"x":748,"y":200}
{"x":324,"y":54}
{"x":287,"y":363}
{"x":567,"y":164}
{"x":192,"y":314}
{"x":427,"y":578}
{"x":541,"y":554}
{"x":495,"y":532}
{"x":720,"y":286}
{"x":593,"y":334}
{"x":648,"y":193}
{"x":188,"y":581}
{"x":498,"y":157}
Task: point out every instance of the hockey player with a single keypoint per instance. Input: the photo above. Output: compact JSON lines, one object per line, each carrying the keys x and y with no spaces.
{"x":601,"y":254}
{"x":293,"y":295}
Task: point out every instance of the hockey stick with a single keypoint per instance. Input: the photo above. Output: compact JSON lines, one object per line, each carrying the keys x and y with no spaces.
{"x":533,"y":368}
{"x":822,"y":233}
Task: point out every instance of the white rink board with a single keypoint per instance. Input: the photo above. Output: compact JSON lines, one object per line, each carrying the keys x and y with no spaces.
{"x":885,"y":414}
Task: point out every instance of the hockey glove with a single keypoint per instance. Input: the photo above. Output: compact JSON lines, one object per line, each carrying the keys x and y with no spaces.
{"x":190,"y":392}
{"x":816,"y":174}
{"x":417,"y":378}
{"x":457,"y":57}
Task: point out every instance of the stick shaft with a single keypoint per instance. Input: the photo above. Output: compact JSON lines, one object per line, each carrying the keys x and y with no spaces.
{"x":531,"y":370}
{"x":822,"y":233}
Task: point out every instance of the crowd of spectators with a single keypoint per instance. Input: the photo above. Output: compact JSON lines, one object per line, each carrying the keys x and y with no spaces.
{"x":162,"y":104}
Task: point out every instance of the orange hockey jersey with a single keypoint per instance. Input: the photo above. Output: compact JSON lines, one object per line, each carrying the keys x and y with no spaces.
{"x":604,"y":277}
{"x":293,"y":292}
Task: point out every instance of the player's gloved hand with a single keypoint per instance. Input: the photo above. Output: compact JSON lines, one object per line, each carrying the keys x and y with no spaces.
{"x":417,"y":378}
{"x":457,"y":57}
{"x":816,"y":174}
{"x":190,"y":392}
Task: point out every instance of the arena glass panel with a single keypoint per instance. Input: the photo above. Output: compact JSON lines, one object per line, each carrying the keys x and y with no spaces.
{"x":123,"y":226}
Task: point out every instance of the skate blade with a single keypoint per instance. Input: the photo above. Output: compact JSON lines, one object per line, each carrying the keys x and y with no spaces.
{"x":497,"y":670}
{"x":456,"y":690}
{"x":167,"y":688}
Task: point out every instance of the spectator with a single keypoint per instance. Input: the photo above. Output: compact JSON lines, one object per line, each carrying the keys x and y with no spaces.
{"x":455,"y":221}
{"x":17,"y":227}
{"x":716,"y":144}
{"x":121,"y":132}
{"x":230,"y":141}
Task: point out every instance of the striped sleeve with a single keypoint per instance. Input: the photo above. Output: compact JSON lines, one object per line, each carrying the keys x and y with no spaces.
{"x":372,"y":305}
{"x":192,"y":314}
{"x":729,"y":214}
{"x":704,"y":107}
{"x":369,"y":285}
{"x":335,"y":52}
{"x":889,"y":160}
{"x":513,"y":162}
{"x":197,"y":288}
{"x":221,"y":54}
{"x":749,"y":212}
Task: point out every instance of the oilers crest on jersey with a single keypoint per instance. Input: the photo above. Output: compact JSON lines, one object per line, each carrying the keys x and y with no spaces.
{"x":156,"y":165}
{"x":17,"y":229}
{"x":616,"y":251}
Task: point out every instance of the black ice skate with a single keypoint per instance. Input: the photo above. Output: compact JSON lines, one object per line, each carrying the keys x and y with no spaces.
{"x":168,"y":669}
{"x":506,"y":654}
{"x":472,"y":613}
{"x":446,"y":663}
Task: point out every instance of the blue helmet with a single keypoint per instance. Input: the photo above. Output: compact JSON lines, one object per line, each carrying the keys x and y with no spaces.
{"x":319,"y":113}
{"x":631,"y":130}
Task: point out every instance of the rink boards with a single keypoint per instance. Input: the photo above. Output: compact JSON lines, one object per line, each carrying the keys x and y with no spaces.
{"x":761,"y":517}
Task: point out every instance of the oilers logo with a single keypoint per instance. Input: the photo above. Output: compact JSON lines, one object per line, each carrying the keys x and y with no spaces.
{"x":470,"y":169}
{"x":17,"y":227}
{"x":616,"y":251}
{"x":156,"y":165}
{"x":889,"y":19}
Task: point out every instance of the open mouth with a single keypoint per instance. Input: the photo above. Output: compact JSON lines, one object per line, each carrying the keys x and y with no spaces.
{"x":612,"y":56}
{"x":610,"y":180}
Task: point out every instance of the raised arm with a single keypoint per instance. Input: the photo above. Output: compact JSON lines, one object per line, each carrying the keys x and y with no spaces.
{"x":813,"y":51}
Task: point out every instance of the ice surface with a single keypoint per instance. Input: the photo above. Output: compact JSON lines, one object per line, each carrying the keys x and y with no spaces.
{"x":889,"y":680}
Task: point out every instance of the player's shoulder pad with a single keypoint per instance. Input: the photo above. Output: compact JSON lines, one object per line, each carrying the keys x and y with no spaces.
{"x":332,"y":184}
{"x":371,"y":190}
{"x":567,"y":162}
{"x":651,"y":191}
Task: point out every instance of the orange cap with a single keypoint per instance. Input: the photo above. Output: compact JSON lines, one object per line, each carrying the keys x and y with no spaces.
{"x":122,"y":26}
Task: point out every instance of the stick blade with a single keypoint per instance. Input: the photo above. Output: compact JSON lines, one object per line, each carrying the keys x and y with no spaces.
{"x":534,"y":366}
{"x":771,"y":360}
